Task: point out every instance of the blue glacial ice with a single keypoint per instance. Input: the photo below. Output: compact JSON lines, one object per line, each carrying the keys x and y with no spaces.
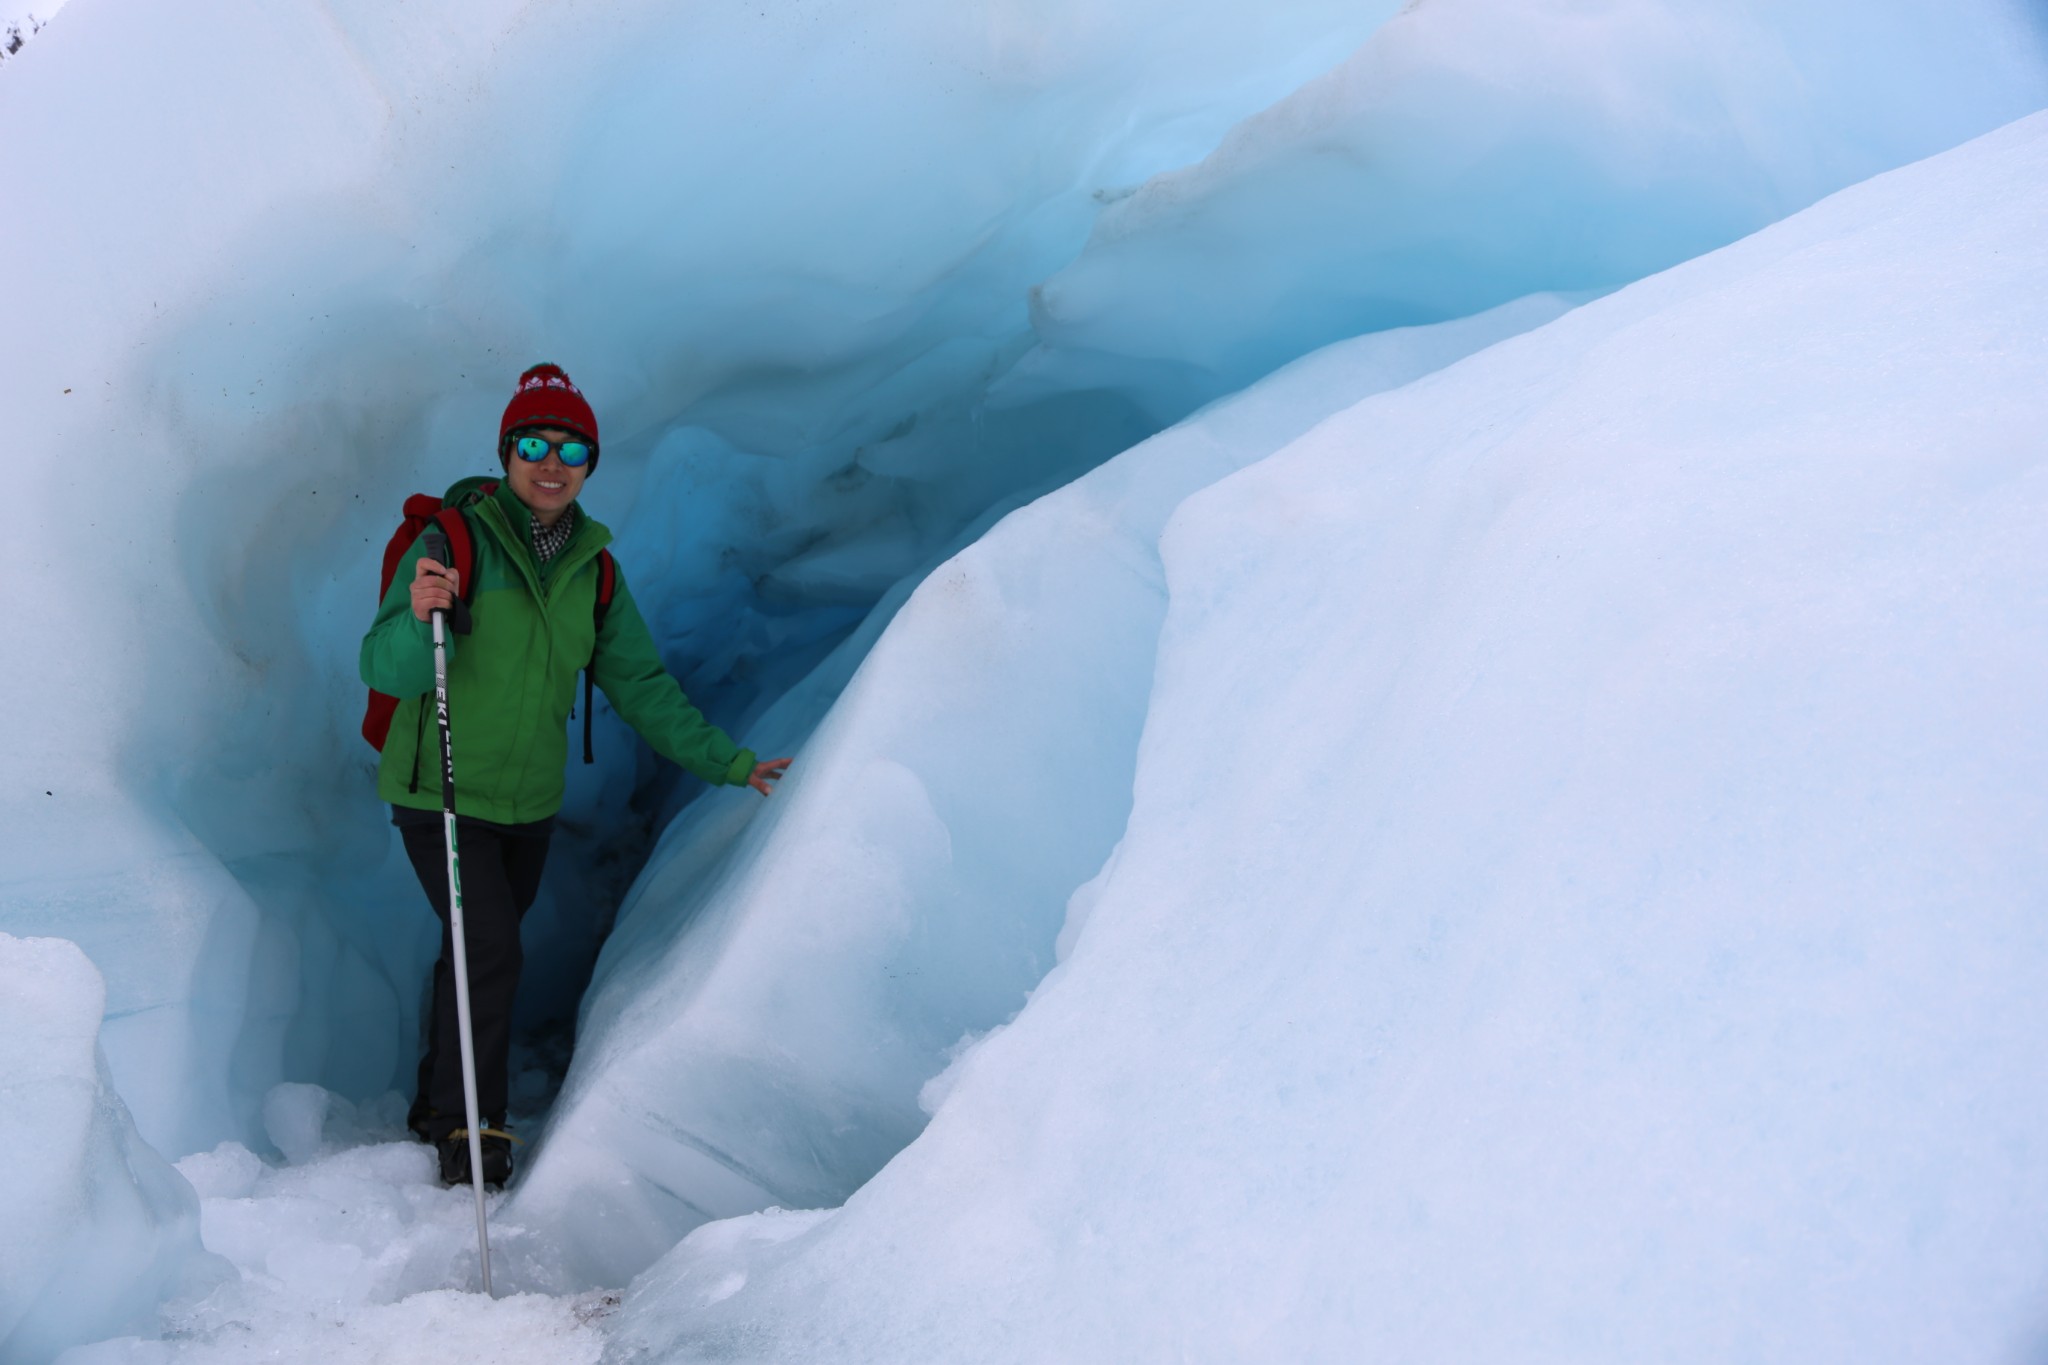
{"x":779,"y":990}
{"x":1471,"y":152}
{"x":1581,"y":895}
{"x":855,"y":284}
{"x":99,"y":1228}
{"x":259,"y":315}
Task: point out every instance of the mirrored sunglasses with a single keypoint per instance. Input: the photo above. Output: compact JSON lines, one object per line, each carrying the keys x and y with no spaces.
{"x":534,"y":449}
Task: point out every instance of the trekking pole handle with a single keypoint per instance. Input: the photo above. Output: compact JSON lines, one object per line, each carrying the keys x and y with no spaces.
{"x":434,"y":546}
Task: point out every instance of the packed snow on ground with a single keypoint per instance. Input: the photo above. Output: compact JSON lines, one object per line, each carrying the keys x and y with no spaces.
{"x":1582,"y":895}
{"x":346,"y":1248}
{"x":837,"y":279}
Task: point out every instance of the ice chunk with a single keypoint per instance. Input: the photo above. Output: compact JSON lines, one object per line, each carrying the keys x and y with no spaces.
{"x":1582,"y":894}
{"x":229,"y":1171}
{"x":98,"y":1227}
{"x":293,"y":1116}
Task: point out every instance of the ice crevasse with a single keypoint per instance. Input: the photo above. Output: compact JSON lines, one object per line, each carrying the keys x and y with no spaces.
{"x":1581,"y":896}
{"x":359,"y":225}
{"x":1465,"y":764}
{"x":751,"y":1041}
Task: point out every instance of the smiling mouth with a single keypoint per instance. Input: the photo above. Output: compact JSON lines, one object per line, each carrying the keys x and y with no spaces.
{"x":551,"y":487}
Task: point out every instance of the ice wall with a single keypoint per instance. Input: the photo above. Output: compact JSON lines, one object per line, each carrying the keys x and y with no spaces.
{"x":98,"y":1228}
{"x":756,"y":1033}
{"x":161,"y":652}
{"x":773,"y":1000}
{"x":1472,"y":152}
{"x":791,"y":252}
{"x":1581,"y":895}
{"x":256,"y":306}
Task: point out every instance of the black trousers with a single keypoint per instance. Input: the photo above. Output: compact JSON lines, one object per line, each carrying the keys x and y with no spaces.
{"x":500,"y":867}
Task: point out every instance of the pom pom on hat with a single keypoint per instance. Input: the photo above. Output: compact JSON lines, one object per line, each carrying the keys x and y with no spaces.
{"x":546,"y":397}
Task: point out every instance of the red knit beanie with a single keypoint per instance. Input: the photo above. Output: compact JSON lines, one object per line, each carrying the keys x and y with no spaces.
{"x":546,"y":398}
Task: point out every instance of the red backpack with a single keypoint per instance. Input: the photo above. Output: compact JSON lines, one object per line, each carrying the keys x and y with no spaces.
{"x":423,"y":510}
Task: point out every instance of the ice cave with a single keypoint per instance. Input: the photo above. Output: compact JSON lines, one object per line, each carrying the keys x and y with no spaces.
{"x":1414,"y":638}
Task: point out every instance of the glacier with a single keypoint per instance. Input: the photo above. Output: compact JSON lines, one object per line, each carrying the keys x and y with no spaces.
{"x":1468,"y":154}
{"x":1580,"y":898}
{"x":247,"y":378}
{"x":865,"y":292}
{"x":773,"y":1001}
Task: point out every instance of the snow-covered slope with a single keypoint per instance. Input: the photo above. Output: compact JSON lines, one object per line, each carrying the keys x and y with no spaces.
{"x":1582,"y":897}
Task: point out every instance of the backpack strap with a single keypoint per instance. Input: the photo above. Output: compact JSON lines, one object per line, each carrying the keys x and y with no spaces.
{"x":422,"y":510}
{"x":607,"y":585}
{"x":461,"y":547}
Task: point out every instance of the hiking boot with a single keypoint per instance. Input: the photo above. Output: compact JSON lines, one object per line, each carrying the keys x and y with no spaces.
{"x":420,"y":1118}
{"x":497,"y":1159}
{"x":497,"y":1153}
{"x":454,"y":1152}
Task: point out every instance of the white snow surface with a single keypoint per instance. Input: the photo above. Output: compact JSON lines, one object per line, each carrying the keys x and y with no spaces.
{"x":349,"y":1250}
{"x":1580,"y":807}
{"x":23,"y":14}
{"x":1582,"y":895}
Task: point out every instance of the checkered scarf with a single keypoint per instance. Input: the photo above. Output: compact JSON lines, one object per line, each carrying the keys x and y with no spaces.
{"x":549,"y":540}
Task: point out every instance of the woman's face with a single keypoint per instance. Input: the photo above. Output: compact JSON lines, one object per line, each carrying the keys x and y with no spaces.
{"x":548,"y":487}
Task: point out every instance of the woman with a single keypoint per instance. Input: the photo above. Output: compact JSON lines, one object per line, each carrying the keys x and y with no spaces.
{"x":511,"y":683}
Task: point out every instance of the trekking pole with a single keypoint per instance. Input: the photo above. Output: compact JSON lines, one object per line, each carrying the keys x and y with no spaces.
{"x":436,"y":549}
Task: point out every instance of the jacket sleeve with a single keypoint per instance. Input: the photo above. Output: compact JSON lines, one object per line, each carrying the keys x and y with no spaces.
{"x":630,"y":671}
{"x":398,"y":653}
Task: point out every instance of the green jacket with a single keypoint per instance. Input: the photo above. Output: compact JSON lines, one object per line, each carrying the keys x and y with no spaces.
{"x":512,"y":680}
